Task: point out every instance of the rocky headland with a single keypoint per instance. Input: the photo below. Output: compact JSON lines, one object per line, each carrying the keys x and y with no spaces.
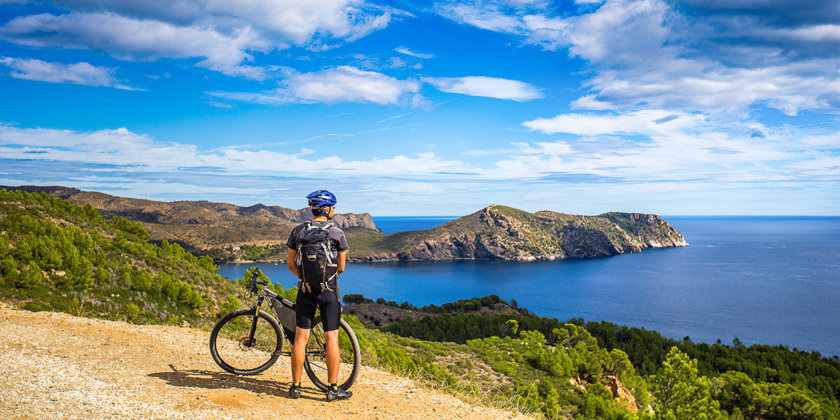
{"x":504,"y":233}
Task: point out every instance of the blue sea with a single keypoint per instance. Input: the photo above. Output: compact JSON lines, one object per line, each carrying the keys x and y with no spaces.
{"x":767,"y":280}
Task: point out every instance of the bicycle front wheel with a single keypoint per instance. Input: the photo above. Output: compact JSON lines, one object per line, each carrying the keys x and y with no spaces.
{"x":243,"y":343}
{"x":315,"y":364}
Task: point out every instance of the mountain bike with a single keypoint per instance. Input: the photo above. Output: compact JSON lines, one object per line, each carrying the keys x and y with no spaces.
{"x":248,"y":341}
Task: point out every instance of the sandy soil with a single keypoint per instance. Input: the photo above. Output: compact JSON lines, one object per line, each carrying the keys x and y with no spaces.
{"x":58,"y":366}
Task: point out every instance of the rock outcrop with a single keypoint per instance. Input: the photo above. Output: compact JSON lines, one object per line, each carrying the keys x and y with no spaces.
{"x":620,"y":393}
{"x":343,"y":220}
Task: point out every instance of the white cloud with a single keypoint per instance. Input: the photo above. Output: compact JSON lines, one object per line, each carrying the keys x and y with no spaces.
{"x":348,"y":84}
{"x":666,"y":147}
{"x":222,"y":33}
{"x":638,"y":122}
{"x":490,"y":87}
{"x":648,"y":54}
{"x":110,"y":147}
{"x":682,"y":163}
{"x":78,"y":73}
{"x":813,"y":33}
{"x":396,"y":62}
{"x":121,"y":148}
{"x":340,"y":84}
{"x":484,"y":16}
{"x":406,"y":51}
{"x":692,"y":153}
{"x":682,"y":84}
{"x":294,"y":21}
{"x":129,"y":39}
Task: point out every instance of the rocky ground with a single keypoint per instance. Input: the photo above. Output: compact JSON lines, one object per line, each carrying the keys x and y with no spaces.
{"x":59,"y":366}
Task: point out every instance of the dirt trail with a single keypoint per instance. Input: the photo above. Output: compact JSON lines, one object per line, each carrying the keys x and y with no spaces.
{"x":58,"y":366}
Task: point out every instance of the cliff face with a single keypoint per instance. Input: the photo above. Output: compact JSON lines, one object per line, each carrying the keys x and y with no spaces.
{"x":342,"y":220}
{"x":498,"y":232}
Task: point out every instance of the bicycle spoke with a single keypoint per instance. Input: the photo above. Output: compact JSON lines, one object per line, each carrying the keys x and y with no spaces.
{"x":237,"y":348}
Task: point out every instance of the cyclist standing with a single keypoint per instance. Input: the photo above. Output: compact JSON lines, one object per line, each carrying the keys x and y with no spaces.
{"x":317,"y":255}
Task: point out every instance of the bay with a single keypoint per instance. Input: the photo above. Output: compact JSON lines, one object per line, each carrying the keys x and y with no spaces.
{"x":764,"y":280}
{"x":391,"y":224}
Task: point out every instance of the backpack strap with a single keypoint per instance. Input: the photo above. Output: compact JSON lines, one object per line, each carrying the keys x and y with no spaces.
{"x":330,"y":262}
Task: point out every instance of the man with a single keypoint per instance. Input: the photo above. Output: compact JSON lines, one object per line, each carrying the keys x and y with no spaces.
{"x":317,"y":255}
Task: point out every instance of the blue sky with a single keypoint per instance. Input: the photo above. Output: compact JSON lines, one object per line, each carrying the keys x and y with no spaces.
{"x":429,"y":108}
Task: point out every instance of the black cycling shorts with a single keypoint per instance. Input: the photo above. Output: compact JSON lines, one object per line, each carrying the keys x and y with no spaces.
{"x":326,"y":301}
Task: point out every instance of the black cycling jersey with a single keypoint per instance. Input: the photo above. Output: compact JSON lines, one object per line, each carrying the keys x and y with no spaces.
{"x":326,"y":301}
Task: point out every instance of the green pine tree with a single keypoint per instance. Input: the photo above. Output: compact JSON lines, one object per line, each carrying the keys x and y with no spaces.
{"x":30,"y":276}
{"x":680,"y":393}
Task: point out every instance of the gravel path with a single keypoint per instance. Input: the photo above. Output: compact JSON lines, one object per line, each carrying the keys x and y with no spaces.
{"x":55,"y":365}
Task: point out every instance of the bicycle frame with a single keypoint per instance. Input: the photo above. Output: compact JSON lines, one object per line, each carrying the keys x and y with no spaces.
{"x":275,"y":302}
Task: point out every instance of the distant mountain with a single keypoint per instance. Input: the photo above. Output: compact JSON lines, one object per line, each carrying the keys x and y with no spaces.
{"x":204,"y":227}
{"x":232,"y":233}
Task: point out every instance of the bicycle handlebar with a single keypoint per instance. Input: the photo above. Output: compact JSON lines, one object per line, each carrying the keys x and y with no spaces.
{"x":253,"y":282}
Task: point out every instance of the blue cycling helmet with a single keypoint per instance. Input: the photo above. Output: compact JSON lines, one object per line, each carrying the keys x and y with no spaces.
{"x":321,"y":198}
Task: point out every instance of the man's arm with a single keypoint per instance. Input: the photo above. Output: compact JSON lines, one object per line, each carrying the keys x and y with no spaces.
{"x":290,"y":262}
{"x":342,"y":259}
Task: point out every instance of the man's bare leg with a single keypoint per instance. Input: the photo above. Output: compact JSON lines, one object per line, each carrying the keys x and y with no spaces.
{"x":333,"y":363}
{"x":333,"y":355}
{"x":299,"y":353}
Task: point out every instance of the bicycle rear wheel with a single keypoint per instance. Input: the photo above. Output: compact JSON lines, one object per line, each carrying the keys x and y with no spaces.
{"x":238,"y":350}
{"x":315,"y":363}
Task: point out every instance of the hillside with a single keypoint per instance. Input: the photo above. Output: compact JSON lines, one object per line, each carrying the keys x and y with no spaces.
{"x":755,"y":382}
{"x":258,"y":233}
{"x":61,"y":366}
{"x":55,"y":255}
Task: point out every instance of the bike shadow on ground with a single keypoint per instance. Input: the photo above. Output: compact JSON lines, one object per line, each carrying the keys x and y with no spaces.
{"x":222,"y":380}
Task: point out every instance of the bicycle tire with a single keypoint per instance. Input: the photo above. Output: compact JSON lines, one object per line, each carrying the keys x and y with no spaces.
{"x":315,"y":364}
{"x":236,"y":352}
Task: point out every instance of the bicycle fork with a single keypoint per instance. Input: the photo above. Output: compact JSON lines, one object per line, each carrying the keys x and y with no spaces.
{"x":249,"y":341}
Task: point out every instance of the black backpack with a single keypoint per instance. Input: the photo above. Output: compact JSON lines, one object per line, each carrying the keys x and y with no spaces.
{"x":316,"y":258}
